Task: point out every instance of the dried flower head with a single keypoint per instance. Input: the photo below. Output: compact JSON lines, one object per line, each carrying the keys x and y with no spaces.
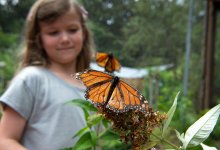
{"x":133,"y":126}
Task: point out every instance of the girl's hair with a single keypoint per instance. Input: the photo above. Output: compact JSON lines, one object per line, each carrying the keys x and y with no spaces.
{"x":48,"y":11}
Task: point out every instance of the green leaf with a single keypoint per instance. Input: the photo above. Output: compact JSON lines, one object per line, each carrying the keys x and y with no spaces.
{"x":85,"y":142}
{"x":86,"y":114}
{"x":170,"y":114}
{"x":82,"y":131}
{"x":94,"y":137}
{"x":205,"y":147}
{"x":109,"y":135}
{"x":94,"y":119}
{"x":201,"y":129}
{"x":83,"y":104}
{"x":105,"y":123}
{"x":150,"y":145}
{"x":180,"y":137}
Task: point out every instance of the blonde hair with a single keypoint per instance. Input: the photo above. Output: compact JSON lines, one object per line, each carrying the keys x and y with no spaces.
{"x":48,"y":11}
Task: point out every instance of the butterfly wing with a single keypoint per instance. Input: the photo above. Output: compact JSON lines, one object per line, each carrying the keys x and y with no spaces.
{"x":112,"y":65}
{"x":108,"y":61}
{"x":121,"y":97}
{"x":98,"y":85}
{"x":125,"y":97}
{"x":101,"y":59}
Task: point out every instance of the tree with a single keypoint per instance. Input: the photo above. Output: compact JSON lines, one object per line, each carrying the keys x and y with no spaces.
{"x":107,"y":19}
{"x":12,"y":15}
{"x":151,"y":34}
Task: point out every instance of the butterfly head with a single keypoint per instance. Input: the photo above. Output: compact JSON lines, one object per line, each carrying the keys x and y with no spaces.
{"x":110,"y":55}
{"x":77,"y":75}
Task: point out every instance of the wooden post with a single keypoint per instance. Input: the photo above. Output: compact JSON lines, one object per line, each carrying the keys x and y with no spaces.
{"x":207,"y":90}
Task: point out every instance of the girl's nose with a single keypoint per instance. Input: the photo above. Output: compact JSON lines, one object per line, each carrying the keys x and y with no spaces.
{"x":64,"y":37}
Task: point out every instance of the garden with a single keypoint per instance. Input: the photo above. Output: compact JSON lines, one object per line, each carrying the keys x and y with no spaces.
{"x":141,"y":34}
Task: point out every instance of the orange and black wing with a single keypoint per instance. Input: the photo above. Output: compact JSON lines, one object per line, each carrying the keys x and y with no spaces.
{"x":108,"y":61}
{"x":119,"y":97}
{"x":98,"y":85}
{"x":102,"y":59}
{"x":125,"y":97}
{"x":112,"y":65}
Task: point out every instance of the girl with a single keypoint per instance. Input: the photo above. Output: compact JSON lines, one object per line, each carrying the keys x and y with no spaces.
{"x":58,"y":44}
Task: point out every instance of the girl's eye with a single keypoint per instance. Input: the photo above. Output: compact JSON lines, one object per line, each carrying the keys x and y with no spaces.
{"x":53,"y":33}
{"x":73,"y":30}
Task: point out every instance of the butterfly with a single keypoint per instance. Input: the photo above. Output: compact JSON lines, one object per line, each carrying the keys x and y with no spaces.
{"x":109,"y":91}
{"x":108,"y":61}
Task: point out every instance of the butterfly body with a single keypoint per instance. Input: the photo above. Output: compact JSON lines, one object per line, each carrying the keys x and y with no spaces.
{"x":115,"y":81}
{"x":109,"y":91}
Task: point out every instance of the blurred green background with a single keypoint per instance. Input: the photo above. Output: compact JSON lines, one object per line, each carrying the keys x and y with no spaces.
{"x":141,"y":34}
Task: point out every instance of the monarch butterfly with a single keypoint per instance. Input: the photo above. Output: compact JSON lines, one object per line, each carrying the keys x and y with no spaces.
{"x":108,"y":61}
{"x":106,"y":90}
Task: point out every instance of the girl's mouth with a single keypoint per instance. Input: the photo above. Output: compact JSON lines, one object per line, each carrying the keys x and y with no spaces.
{"x":65,"y":48}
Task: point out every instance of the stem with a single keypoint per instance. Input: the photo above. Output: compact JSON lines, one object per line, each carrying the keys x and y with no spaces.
{"x":165,"y":141}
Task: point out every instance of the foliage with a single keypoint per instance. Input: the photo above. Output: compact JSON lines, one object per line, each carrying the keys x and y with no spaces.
{"x":151,"y":31}
{"x":104,"y":137}
{"x":194,"y":136}
{"x":8,"y":68}
{"x":149,"y":27}
{"x":15,"y":13}
{"x":7,"y":40}
{"x":107,"y":22}
{"x":201,"y":129}
{"x":170,"y":81}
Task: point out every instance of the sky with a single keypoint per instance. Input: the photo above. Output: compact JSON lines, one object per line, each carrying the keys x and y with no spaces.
{"x":3,"y":2}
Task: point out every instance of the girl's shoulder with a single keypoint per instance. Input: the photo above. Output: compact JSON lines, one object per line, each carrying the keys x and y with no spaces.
{"x":30,"y":78}
{"x":31,"y":72}
{"x":32,"y":69}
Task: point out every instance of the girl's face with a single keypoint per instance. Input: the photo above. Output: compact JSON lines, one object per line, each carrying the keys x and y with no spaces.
{"x":63,"y":38}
